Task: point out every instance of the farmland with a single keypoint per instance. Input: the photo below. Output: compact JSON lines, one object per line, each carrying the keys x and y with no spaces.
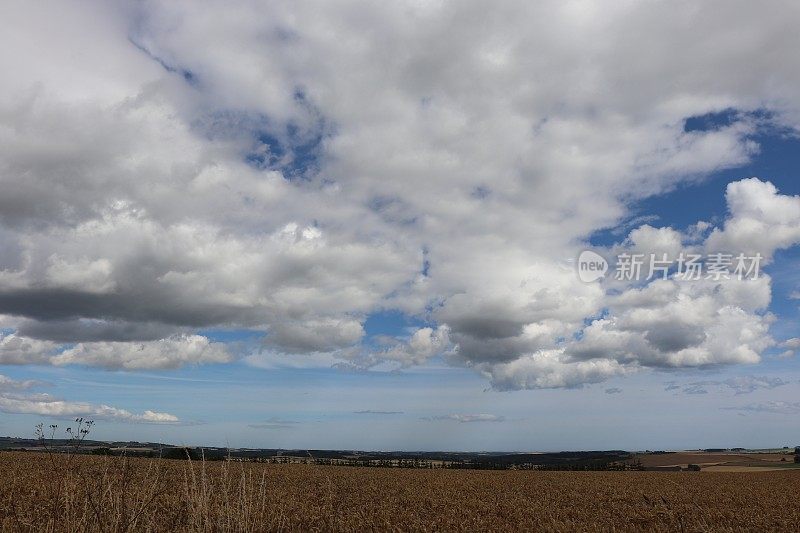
{"x":93,"y":493}
{"x":722,"y":461}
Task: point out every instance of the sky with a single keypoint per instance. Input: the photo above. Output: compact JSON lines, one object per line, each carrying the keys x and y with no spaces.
{"x":358,"y":225}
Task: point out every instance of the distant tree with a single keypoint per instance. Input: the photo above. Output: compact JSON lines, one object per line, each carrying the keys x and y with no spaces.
{"x":181,"y":453}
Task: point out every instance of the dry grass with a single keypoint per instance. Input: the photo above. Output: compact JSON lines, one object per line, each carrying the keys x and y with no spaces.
{"x":52,"y":493}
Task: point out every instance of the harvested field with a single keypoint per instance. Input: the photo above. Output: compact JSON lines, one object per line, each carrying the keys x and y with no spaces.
{"x":85,"y":493}
{"x":768,"y":460}
{"x":733,"y":468}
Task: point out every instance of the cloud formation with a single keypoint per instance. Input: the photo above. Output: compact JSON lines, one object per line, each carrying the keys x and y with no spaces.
{"x":168,"y":353}
{"x":296,"y":167}
{"x":14,"y":402}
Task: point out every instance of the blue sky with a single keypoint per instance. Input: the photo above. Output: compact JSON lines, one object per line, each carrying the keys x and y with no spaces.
{"x":331,"y":227}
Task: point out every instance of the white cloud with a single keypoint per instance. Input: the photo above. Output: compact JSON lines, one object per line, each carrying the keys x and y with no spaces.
{"x":648,"y":240}
{"x":8,"y":384}
{"x":793,"y":343}
{"x":761,"y":220}
{"x":46,"y":405}
{"x":172,"y":352}
{"x":552,"y":369}
{"x":423,"y":344}
{"x":16,"y":350}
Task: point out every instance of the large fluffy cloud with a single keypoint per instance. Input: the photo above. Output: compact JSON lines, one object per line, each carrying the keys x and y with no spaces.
{"x":762,"y":220}
{"x":293,"y":167}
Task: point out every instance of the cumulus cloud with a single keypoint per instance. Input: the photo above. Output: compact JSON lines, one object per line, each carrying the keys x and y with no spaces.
{"x":21,"y":351}
{"x":552,"y":369}
{"x":172,"y":352}
{"x":761,"y":220}
{"x":13,"y":402}
{"x":213,"y":167}
{"x":315,"y":336}
{"x":647,"y":239}
{"x":423,"y":344}
{"x":672,"y":323}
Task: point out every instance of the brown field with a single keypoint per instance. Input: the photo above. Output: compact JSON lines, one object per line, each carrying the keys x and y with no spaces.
{"x":709,"y":459}
{"x":734,"y":468}
{"x":85,"y":493}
